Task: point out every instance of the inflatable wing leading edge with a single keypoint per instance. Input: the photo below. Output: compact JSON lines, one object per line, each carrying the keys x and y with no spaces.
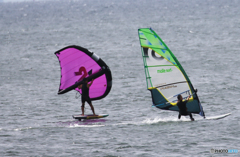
{"x":78,"y":63}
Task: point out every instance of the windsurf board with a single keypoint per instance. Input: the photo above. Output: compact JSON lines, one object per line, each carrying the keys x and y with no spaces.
{"x":218,"y":117}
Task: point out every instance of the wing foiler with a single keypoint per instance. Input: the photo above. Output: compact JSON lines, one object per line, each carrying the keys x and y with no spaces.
{"x":77,"y":63}
{"x":165,"y":77}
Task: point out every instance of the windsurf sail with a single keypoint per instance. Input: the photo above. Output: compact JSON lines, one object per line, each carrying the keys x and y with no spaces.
{"x":78,"y":63}
{"x":165,"y":77}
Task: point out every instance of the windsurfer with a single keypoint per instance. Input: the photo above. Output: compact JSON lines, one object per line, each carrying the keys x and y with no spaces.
{"x":85,"y":95}
{"x":182,"y":107}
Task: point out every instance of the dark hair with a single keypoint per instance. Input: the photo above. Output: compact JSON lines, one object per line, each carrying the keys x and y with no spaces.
{"x":179,"y":96}
{"x":85,"y":79}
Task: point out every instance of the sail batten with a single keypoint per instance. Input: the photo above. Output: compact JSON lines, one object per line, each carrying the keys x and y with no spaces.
{"x":165,"y":76}
{"x":149,"y":46}
{"x":172,"y":84}
{"x":157,"y":66}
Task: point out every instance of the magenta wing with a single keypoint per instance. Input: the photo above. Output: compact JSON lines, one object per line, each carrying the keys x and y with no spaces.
{"x":78,"y":63}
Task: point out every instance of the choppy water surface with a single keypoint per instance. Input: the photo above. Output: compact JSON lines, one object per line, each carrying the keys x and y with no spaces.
{"x":35,"y":121}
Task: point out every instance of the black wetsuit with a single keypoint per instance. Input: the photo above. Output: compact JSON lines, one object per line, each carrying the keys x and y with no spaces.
{"x":183,"y":109}
{"x":85,"y":93}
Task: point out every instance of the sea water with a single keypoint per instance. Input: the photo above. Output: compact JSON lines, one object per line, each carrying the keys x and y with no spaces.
{"x":35,"y":121}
